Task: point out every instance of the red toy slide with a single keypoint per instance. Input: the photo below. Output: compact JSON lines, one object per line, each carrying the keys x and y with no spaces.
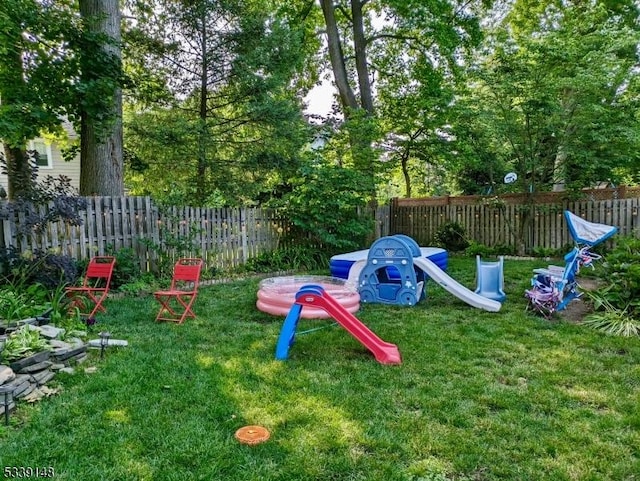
{"x":316,"y":297}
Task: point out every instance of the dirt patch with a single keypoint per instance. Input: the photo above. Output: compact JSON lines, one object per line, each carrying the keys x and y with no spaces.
{"x":577,"y":309}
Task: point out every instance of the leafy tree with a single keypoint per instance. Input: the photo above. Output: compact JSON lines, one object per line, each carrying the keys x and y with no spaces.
{"x":325,"y":203}
{"x":389,"y":40}
{"x":227,"y":118}
{"x":52,"y":65}
{"x":37,"y":71}
{"x":555,"y":95}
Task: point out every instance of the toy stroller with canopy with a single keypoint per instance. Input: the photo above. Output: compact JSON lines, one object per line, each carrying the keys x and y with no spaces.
{"x":554,"y":287}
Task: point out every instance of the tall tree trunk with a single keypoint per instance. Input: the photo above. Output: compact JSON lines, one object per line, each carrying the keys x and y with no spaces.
{"x":362,"y":67}
{"x":101,"y":161}
{"x":360,"y":132}
{"x":347,"y":97}
{"x":203,"y":136}
{"x":19,"y":171}
{"x":15,"y":155}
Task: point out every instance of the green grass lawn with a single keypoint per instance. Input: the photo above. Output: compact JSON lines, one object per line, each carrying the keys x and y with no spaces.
{"x":479,"y":396}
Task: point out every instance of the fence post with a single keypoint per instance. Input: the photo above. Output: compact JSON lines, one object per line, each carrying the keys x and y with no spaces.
{"x":243,"y":233}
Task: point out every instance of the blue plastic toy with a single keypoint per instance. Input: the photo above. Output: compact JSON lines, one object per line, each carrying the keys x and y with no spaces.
{"x":396,"y":254}
{"x":490,"y":279}
{"x":554,"y":287}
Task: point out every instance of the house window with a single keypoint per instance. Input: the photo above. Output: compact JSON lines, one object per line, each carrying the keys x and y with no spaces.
{"x":44,"y":153}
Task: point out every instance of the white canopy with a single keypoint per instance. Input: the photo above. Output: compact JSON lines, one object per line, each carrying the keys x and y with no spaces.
{"x":590,"y":233}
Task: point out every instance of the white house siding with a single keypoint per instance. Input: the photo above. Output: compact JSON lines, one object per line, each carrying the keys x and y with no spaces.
{"x":70,"y":169}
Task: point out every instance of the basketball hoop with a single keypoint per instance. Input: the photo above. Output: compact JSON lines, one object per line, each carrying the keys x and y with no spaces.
{"x":252,"y":435}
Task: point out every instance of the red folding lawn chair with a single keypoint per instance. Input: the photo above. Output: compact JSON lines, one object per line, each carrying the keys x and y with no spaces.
{"x":176,"y":302}
{"x":88,"y":297}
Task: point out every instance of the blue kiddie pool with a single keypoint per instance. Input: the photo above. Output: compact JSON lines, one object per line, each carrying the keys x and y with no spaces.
{"x":340,"y":264}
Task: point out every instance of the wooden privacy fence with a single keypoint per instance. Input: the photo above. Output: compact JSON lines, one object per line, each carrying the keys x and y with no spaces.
{"x":492,"y":221}
{"x":225,"y":237}
{"x":228,"y":237}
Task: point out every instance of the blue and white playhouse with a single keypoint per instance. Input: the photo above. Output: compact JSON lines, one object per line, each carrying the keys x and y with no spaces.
{"x":394,"y":271}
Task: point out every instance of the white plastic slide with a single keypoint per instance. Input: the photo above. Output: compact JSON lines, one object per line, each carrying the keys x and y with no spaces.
{"x":354,"y":272}
{"x":454,"y":287}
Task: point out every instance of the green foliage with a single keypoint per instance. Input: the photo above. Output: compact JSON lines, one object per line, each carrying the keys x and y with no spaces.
{"x":178,"y":238}
{"x":297,"y":258}
{"x":231,"y":142}
{"x":451,"y":236}
{"x":15,"y":305}
{"x":611,"y":320}
{"x":142,"y":285}
{"x":127,"y":268}
{"x":477,"y":249}
{"x":548,"y":252}
{"x":554,"y":98}
{"x":22,"y":342}
{"x":619,"y":296}
{"x":325,"y":203}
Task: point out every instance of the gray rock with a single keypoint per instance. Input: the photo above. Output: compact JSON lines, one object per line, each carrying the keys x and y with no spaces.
{"x":51,"y":332}
{"x":29,"y":389}
{"x":43,"y":377}
{"x":80,"y":358}
{"x":64,"y":354}
{"x":78,"y":333}
{"x":68,"y":370}
{"x":58,"y":344}
{"x":35,"y":367}
{"x":6,"y":374}
{"x":75,"y":341}
{"x":28,"y":361}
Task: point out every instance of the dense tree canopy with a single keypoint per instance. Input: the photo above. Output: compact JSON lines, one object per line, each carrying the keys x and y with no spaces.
{"x":433,"y":96}
{"x":221,"y":116}
{"x":37,"y":70}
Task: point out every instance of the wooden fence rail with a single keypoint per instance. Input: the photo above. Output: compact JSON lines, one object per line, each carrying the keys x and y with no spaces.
{"x":225,"y":237}
{"x":228,"y":237}
{"x":492,"y":223}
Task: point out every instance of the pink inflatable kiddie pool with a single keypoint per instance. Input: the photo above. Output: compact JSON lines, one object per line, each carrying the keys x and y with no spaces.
{"x":276,"y":295}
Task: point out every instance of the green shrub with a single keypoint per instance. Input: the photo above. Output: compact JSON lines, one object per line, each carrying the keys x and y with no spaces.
{"x":297,"y":258}
{"x":127,"y":268}
{"x":620,"y":295}
{"x":477,"y":249}
{"x":21,"y":343}
{"x":548,"y":252}
{"x":325,"y":204}
{"x":451,"y":236}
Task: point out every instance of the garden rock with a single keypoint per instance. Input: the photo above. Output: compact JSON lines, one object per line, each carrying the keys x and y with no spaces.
{"x":26,"y":378}
{"x":28,"y":361}
{"x":60,"y":355}
{"x":42,"y":377}
{"x":20,"y":384}
{"x":6,"y":374}
{"x":58,"y":344}
{"x":50,"y":332}
{"x":35,"y":367}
